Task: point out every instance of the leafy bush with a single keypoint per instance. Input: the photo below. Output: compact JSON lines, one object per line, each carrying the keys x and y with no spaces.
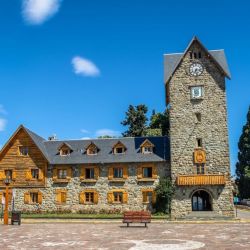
{"x":164,"y":193}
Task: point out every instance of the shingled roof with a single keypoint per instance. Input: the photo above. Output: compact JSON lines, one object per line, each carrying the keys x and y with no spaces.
{"x":105,"y":155}
{"x":172,"y":61}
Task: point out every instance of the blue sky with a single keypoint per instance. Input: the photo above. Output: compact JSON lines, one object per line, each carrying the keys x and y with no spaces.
{"x":72,"y":67}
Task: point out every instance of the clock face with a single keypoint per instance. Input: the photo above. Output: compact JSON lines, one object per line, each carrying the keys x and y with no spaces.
{"x":196,"y":69}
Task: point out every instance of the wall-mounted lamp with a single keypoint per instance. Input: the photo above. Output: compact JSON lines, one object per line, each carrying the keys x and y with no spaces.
{"x":219,"y":190}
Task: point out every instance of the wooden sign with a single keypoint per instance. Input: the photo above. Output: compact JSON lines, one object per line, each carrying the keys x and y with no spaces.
{"x":199,"y":156}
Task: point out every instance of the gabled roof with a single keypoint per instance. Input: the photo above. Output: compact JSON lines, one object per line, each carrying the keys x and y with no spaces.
{"x":172,"y":61}
{"x":147,"y":142}
{"x":92,"y":144}
{"x":119,"y":143}
{"x":38,"y":140}
{"x":132,"y":144}
{"x":64,"y":144}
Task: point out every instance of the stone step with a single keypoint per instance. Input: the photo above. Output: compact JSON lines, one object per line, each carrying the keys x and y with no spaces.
{"x":205,"y":215}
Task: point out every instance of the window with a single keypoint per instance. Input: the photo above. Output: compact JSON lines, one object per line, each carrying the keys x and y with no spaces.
{"x":92,"y":151}
{"x":62,"y":173}
{"x":199,"y":142}
{"x":199,"y":54}
{"x":200,"y":169}
{"x":198,"y":117}
{"x":89,"y":173}
{"x":147,"y":172}
{"x":24,"y":151}
{"x":196,"y":92}
{"x":9,"y":174}
{"x":118,"y":197}
{"x":34,"y":197}
{"x":191,"y":55}
{"x":195,"y":55}
{"x":89,"y":197}
{"x":64,"y":152}
{"x":147,"y":150}
{"x":119,"y":150}
{"x":118,"y":172}
{"x":147,"y":196}
{"x":35,"y":173}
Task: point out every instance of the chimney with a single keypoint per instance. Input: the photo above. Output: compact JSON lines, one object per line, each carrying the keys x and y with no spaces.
{"x":52,"y":138}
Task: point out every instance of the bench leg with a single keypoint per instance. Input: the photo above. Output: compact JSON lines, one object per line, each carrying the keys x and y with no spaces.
{"x":146,"y":224}
{"x":127,"y":224}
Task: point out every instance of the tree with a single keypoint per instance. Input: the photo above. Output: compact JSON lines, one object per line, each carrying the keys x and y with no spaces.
{"x":105,"y":137}
{"x":160,"y":121}
{"x":243,"y":164}
{"x":136,"y":120}
{"x":164,"y":192}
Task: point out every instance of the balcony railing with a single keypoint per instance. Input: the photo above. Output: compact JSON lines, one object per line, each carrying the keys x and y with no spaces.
{"x":192,"y":180}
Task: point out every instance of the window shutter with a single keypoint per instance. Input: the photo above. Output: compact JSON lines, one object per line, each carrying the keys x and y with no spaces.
{"x":40,"y":175}
{"x":139,"y":172}
{"x":54,"y":174}
{"x":26,"y":198}
{"x":97,"y":172}
{"x":58,"y":196}
{"x":82,"y":198}
{"x":14,"y":175}
{"x":125,"y":172}
{"x":110,"y":173}
{"x":110,"y":197}
{"x":10,"y":196}
{"x":153,"y":197}
{"x":28,"y":175}
{"x":82,"y":173}
{"x":124,"y":197}
{"x":144,"y":196}
{"x":95,"y":197}
{"x":2,"y":175}
{"x":63,"y":196}
{"x":154,"y":172}
{"x":69,"y":173}
{"x":40,"y":197}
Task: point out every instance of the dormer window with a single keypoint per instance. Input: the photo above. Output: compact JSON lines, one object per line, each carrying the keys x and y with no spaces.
{"x":64,"y":149}
{"x":147,"y":147}
{"x":119,"y":148}
{"x":92,"y":149}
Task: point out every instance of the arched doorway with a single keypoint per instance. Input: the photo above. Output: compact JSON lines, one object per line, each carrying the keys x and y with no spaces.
{"x":201,"y":201}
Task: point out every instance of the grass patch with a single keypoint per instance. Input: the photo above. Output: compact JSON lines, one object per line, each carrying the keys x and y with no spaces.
{"x":83,"y":216}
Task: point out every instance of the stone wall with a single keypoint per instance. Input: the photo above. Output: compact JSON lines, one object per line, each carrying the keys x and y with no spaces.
{"x":102,"y":186}
{"x":184,"y":130}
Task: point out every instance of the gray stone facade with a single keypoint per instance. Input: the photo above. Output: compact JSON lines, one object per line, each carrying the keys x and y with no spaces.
{"x":185,"y":129}
{"x":102,"y":186}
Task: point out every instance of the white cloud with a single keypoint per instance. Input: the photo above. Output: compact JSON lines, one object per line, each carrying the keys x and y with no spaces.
{"x":84,"y":131}
{"x":102,"y":132}
{"x":84,"y":67}
{"x":3,"y":124}
{"x":38,"y":11}
{"x":85,"y":138}
{"x":2,"y":110}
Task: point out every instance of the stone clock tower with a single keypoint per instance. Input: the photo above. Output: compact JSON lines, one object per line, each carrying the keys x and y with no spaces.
{"x":200,"y":166}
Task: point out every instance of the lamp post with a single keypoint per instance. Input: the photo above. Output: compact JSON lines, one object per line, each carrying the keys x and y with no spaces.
{"x":6,"y":212}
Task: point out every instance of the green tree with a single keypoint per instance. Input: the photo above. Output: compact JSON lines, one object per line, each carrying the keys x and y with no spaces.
{"x":160,"y":121}
{"x":164,"y":192}
{"x":243,"y":164}
{"x":136,"y":121}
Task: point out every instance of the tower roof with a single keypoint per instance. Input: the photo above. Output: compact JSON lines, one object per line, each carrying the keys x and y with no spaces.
{"x":172,"y":61}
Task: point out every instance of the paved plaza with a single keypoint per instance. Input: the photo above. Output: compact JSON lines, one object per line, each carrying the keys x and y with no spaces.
{"x":171,"y":236}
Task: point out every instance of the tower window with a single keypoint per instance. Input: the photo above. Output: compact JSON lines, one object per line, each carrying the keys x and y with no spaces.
{"x":199,"y":54}
{"x":191,"y":55}
{"x":198,"y":117}
{"x":199,"y":142}
{"x":195,"y":55}
{"x":200,"y":169}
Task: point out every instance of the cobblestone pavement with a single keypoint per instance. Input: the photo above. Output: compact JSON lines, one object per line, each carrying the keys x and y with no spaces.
{"x":102,"y":236}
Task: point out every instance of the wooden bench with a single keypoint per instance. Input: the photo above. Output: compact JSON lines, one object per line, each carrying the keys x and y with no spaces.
{"x":137,"y":217}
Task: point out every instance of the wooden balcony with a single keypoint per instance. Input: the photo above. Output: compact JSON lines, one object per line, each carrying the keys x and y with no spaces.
{"x":193,"y":180}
